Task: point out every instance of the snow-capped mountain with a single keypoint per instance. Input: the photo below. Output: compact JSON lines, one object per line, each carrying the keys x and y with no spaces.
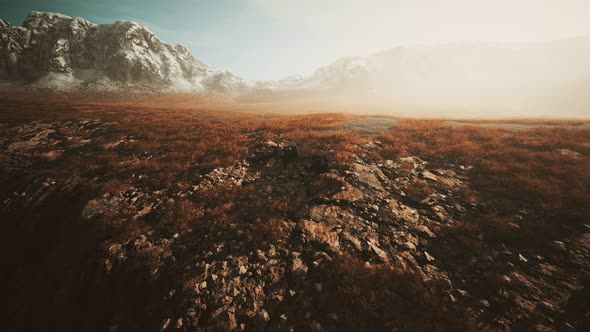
{"x":60,"y":52}
{"x":509,"y":76}
{"x":56,"y":51}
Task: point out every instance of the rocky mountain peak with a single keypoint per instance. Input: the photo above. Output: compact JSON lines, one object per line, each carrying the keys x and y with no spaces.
{"x":43,"y":21}
{"x":56,"y":51}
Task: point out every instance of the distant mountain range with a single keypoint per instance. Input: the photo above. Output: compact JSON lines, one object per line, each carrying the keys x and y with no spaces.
{"x":484,"y":76}
{"x":59,"y":52}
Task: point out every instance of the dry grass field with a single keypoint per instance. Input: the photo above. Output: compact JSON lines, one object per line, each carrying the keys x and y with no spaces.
{"x":189,"y":213}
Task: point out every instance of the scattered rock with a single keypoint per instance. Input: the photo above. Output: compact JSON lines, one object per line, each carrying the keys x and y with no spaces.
{"x":264,"y":315}
{"x":429,"y":176}
{"x":558,"y":245}
{"x":298,"y":269}
{"x":570,"y":153}
{"x":165,"y":324}
{"x":243,"y":269}
{"x":296,"y":216}
{"x":271,"y":144}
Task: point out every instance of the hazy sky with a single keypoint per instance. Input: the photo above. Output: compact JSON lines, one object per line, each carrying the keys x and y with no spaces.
{"x":270,"y":39}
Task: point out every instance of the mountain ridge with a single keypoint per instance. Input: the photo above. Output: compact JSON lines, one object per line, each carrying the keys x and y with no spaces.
{"x":56,"y":51}
{"x":59,"y":52}
{"x":505,"y":77}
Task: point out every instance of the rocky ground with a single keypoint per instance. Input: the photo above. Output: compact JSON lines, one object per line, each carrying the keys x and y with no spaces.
{"x":322,"y":232}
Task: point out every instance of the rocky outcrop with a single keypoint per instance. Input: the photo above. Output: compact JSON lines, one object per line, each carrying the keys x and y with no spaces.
{"x":253,"y":274}
{"x":12,"y":41}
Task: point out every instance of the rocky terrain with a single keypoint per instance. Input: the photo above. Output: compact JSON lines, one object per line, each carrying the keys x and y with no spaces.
{"x":58,"y":52}
{"x":139,"y":219}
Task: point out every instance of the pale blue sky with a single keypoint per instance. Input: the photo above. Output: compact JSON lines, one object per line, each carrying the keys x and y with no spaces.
{"x":271,"y":39}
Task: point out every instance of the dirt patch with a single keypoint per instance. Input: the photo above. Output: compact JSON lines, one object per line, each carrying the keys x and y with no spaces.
{"x":370,"y":125}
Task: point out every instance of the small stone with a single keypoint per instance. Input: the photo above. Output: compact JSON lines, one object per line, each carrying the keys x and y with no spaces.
{"x":380,"y":252}
{"x":298,"y":268}
{"x":428,"y":175}
{"x":264,"y":315}
{"x":271,"y":144}
{"x":243,"y":269}
{"x":558,"y":245}
{"x":164,"y":324}
{"x":545,"y":306}
{"x":409,"y":245}
{"x":570,"y":153}
{"x":462,"y":292}
{"x":423,"y":229}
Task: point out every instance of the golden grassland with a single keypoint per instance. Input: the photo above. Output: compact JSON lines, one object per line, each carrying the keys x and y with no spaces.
{"x":173,"y":137}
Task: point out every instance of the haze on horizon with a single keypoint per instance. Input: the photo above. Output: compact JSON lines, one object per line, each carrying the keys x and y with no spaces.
{"x":272,"y":39}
